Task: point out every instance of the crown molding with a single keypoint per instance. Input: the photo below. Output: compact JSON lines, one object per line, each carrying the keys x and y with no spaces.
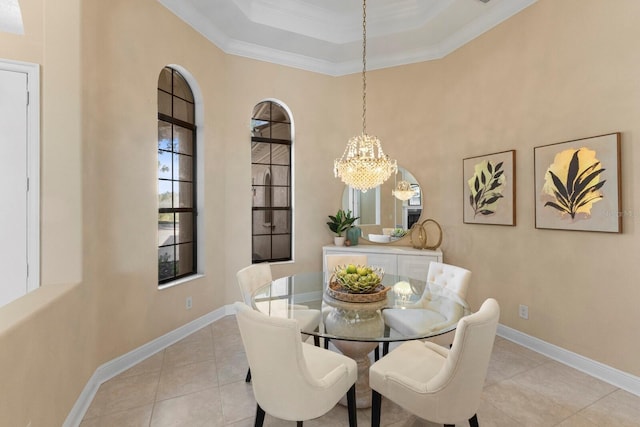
{"x":385,"y":56}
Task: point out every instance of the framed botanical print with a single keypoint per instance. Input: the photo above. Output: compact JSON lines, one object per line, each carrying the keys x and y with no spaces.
{"x":489,"y":189}
{"x":577,"y":184}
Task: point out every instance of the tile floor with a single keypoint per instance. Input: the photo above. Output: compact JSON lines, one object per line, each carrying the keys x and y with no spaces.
{"x":199,"y":381}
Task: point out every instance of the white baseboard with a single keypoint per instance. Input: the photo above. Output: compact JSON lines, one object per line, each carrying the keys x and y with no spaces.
{"x":606,"y":373}
{"x":120,"y":364}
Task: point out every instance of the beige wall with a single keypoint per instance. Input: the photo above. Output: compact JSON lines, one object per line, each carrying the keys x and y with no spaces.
{"x":560,"y":70}
{"x":47,"y":338}
{"x":100,"y":64}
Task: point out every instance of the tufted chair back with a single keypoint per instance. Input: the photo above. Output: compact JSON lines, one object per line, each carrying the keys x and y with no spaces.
{"x":455,"y":279}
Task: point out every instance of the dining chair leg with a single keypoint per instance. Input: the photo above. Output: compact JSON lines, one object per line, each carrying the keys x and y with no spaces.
{"x":259,"y":416}
{"x":385,"y":348}
{"x":376,"y":400}
{"x":326,"y":343}
{"x":376,"y":354}
{"x":316,"y":340}
{"x":248,"y":378}
{"x":473,"y":422}
{"x":351,"y":406}
{"x":299,"y":423}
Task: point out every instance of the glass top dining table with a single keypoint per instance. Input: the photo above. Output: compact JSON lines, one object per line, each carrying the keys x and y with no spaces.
{"x":438,"y":309}
{"x":412,"y":309}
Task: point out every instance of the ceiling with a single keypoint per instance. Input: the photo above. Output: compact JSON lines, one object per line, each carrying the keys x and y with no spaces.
{"x":325,"y":36}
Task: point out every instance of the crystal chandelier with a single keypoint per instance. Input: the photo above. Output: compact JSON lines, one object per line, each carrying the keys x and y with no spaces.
{"x":403,"y":191}
{"x":363,"y":164}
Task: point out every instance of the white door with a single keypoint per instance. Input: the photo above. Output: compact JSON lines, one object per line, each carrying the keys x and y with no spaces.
{"x":13,"y":179}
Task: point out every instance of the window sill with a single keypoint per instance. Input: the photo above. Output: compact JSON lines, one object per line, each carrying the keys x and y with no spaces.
{"x":180,"y":281}
{"x":282,"y":262}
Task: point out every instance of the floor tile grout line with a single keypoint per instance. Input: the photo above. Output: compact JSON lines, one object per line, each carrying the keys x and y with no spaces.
{"x":221,"y":402}
{"x":162,"y":369}
{"x":573,"y":412}
{"x":501,"y":411}
{"x":155,"y":395}
{"x":215,"y":357}
{"x":127,"y":377}
{"x":564,"y":382}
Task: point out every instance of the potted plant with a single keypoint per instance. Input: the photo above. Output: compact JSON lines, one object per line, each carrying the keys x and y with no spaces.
{"x":339,"y":224}
{"x":398,"y":233}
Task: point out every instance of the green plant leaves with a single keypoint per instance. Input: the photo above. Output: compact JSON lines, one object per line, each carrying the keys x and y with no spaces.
{"x":341,"y":221}
{"x":486,"y":187}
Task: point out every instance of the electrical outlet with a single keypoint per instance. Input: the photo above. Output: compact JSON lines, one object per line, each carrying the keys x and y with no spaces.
{"x":189,"y":303}
{"x":523,"y":311}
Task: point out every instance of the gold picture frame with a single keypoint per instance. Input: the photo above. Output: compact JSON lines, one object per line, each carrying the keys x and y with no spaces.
{"x":577,"y":185}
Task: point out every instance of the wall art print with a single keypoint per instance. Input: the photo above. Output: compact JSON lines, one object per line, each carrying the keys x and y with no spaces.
{"x":577,"y":185}
{"x":489,"y":189}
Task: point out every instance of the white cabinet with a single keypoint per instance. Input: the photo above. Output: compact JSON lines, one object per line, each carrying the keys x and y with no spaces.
{"x":398,"y":260}
{"x":388,"y":262}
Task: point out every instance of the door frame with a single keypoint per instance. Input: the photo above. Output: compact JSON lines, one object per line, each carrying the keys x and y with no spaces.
{"x":33,"y":165}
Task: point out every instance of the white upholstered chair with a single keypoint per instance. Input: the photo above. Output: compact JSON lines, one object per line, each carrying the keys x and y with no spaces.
{"x":256,"y":275}
{"x":452,"y":277}
{"x":450,"y":281}
{"x":251,"y":278}
{"x":436,"y":383}
{"x":293,"y":380}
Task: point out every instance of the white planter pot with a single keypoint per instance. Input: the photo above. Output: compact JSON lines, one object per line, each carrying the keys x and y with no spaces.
{"x":338,"y":241}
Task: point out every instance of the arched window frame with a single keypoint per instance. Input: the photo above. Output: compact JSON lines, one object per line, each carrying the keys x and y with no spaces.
{"x":198,"y":175}
{"x":258,"y":180}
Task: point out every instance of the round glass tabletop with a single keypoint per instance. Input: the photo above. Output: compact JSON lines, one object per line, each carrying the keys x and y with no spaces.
{"x":412,"y":309}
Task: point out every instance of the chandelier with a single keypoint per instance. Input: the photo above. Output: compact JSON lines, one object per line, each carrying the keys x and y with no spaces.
{"x":403,"y":191}
{"x":363,"y":164}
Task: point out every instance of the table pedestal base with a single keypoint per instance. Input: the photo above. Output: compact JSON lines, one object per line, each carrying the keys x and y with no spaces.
{"x":359,"y":321}
{"x":358,"y":351}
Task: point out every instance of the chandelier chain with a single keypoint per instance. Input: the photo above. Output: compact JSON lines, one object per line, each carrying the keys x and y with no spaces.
{"x":364,"y":67}
{"x":363,"y":164}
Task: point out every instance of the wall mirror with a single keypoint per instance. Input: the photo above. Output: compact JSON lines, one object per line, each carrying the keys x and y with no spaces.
{"x":381,"y":212}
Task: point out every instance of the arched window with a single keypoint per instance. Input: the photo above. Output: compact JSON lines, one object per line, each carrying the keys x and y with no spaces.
{"x":271,"y":179}
{"x":176,"y":178}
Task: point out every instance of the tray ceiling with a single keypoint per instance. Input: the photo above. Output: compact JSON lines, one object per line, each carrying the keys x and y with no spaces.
{"x":325,"y":36}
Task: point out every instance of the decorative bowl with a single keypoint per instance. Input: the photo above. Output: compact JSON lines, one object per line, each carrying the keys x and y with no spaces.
{"x":358,"y":279}
{"x":336,"y":291}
